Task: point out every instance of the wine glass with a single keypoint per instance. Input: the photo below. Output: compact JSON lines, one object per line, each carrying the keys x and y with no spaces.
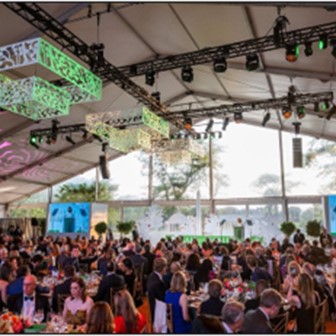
{"x":39,"y":316}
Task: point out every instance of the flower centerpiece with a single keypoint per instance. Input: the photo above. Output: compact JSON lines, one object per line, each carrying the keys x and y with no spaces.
{"x":237,"y":289}
{"x":10,"y":323}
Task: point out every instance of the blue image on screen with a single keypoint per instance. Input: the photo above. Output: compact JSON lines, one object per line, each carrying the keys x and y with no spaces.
{"x":69,"y":217}
{"x":332,"y":213}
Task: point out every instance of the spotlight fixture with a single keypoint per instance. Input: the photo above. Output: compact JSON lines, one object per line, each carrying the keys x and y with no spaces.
{"x":316,"y":107}
{"x":187,"y":74}
{"x":188,"y":123}
{"x":333,"y":51}
{"x":266,"y":119}
{"x":331,"y":112}
{"x":156,"y":95}
{"x":97,"y":137}
{"x":325,"y":105}
{"x":286,"y":112}
{"x":104,"y":147}
{"x":220,"y":65}
{"x":323,"y":42}
{"x":85,"y":134}
{"x":209,"y":126}
{"x":252,"y":62}
{"x":300,"y":112}
{"x":308,"y":49}
{"x":225,"y":123}
{"x":33,"y":141}
{"x":292,"y":52}
{"x":70,"y":140}
{"x":150,"y":77}
{"x":296,"y":127}
{"x":238,"y":117}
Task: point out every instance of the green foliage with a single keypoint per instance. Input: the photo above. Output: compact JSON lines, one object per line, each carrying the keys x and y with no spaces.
{"x":85,"y":192}
{"x":287,"y":228}
{"x":313,"y":228}
{"x":27,"y":212}
{"x":100,"y":228}
{"x":125,"y":227}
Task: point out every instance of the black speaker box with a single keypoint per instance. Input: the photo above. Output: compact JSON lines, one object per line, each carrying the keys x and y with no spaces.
{"x":34,"y":221}
{"x":103,"y":165}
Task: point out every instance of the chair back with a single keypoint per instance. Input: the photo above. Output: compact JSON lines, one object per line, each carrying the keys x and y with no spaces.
{"x":169,"y":314}
{"x":320,"y":313}
{"x":279,"y":323}
{"x":60,"y":301}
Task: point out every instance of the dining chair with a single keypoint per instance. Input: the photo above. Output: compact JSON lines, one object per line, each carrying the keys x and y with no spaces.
{"x":169,"y":314}
{"x":320,"y":317}
{"x":279,"y":323}
{"x":60,"y":301}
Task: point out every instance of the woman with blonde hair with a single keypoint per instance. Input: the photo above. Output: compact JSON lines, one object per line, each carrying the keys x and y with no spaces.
{"x":100,"y":319}
{"x":291,"y":279}
{"x":304,"y":299}
{"x":176,"y":296}
{"x":128,"y":320}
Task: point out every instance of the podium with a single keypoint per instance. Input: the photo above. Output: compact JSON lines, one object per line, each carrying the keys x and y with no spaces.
{"x":238,"y":232}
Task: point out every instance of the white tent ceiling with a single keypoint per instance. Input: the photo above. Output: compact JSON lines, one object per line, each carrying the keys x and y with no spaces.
{"x":137,"y":32}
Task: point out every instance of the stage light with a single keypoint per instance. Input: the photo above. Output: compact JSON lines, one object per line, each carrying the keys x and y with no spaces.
{"x":286,"y":112}
{"x":252,"y":62}
{"x":292,"y":52}
{"x":225,"y":123}
{"x":220,"y":65}
{"x":209,"y":126}
{"x":156,"y":95}
{"x":267,"y":117}
{"x":85,"y":134}
{"x":187,"y":74}
{"x":150,"y":77}
{"x":323,"y":42}
{"x":316,"y":107}
{"x":300,"y":112}
{"x":188,"y":123}
{"x":33,"y":141}
{"x":70,"y":140}
{"x":331,"y":112}
{"x":296,"y":127}
{"x":325,"y":105}
{"x":308,"y":49}
{"x":238,"y":117}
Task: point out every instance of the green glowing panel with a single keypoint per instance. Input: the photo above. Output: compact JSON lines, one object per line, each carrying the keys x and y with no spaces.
{"x":155,"y":122}
{"x":64,"y":66}
{"x":129,"y":140}
{"x":85,"y":86}
{"x":33,"y":98}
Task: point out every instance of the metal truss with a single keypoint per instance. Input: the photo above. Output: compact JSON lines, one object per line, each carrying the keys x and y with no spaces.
{"x":277,"y":103}
{"x":43,"y":21}
{"x":233,"y":50}
{"x":295,"y":100}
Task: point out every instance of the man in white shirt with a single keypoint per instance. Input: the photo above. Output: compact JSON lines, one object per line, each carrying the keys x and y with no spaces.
{"x":232,"y":316}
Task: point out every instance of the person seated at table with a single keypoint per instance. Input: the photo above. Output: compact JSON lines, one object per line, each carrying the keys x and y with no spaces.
{"x":257,"y":321}
{"x":206,"y":324}
{"x":16,"y":286}
{"x":305,"y":301}
{"x":73,"y":260}
{"x":251,"y":304}
{"x":78,"y":305}
{"x":293,"y":272}
{"x":110,"y":281}
{"x":204,"y":273}
{"x":64,"y":287}
{"x":127,"y":318}
{"x":174,"y":267}
{"x":6,"y":275}
{"x":29,"y":301}
{"x":257,"y":272}
{"x":214,"y":305}
{"x":100,"y":319}
{"x":126,"y":270}
{"x":176,"y":296}
{"x":232,"y":316}
{"x":193,"y":263}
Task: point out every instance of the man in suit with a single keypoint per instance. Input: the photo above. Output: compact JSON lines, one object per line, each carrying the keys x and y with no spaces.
{"x":252,"y":304}
{"x":150,"y":259}
{"x":110,"y":281}
{"x":325,"y":238}
{"x":155,"y":285}
{"x":232,"y":316}
{"x":30,"y":301}
{"x":299,"y":237}
{"x":257,"y":321}
{"x":214,"y":305}
{"x":64,"y":287}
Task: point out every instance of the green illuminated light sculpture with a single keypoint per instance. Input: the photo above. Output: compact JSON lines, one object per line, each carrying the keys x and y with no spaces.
{"x":36,"y":98}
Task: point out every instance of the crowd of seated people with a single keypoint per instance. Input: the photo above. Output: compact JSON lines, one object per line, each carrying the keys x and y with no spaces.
{"x":285,"y":274}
